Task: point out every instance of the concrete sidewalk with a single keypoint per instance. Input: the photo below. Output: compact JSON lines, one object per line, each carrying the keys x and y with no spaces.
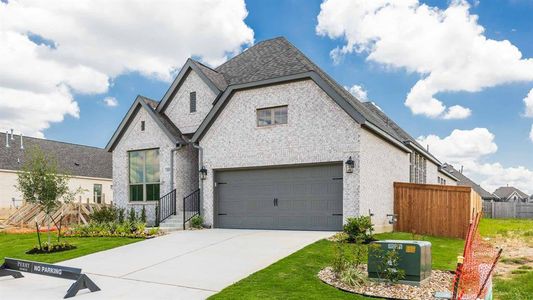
{"x":181,"y":265}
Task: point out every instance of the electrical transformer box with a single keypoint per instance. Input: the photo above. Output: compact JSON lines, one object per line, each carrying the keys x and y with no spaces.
{"x":414,"y":258}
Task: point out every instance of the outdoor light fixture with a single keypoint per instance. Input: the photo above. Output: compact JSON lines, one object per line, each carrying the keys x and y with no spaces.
{"x":349,"y":165}
{"x":203,"y":173}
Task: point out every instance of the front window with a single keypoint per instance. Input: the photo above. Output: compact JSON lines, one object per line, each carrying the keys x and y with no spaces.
{"x":272,"y":116}
{"x":144,"y":175}
{"x":97,"y":192}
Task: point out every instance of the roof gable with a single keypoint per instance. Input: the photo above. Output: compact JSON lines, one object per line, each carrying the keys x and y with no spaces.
{"x":160,"y":119}
{"x":214,"y":81}
{"x":505,"y":192}
{"x":275,"y":61}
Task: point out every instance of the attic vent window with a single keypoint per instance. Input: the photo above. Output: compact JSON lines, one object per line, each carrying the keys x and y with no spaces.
{"x":142,"y":125}
{"x":192,"y":102}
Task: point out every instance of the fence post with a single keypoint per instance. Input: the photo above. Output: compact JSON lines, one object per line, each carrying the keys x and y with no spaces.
{"x":492,"y":209}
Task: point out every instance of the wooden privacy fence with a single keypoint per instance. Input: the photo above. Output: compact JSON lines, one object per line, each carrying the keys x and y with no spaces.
{"x":507,"y":210}
{"x":439,"y":210}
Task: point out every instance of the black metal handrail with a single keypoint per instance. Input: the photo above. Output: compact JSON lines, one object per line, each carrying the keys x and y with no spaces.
{"x":191,"y":206}
{"x":166,"y":206}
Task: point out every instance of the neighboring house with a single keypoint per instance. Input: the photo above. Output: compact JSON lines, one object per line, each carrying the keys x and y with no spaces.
{"x":465,"y":181}
{"x":511,"y":194}
{"x":279,"y":143}
{"x":90,"y":168}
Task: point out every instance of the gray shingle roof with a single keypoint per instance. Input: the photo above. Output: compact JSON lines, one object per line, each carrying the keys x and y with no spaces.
{"x":505,"y":191}
{"x":214,"y":76}
{"x":278,"y":57}
{"x":75,"y":160}
{"x":465,"y":181}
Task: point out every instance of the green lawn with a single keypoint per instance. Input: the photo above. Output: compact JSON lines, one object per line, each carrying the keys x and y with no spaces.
{"x":519,"y":287}
{"x":15,"y":245}
{"x":506,"y":227}
{"x":294,"y":277}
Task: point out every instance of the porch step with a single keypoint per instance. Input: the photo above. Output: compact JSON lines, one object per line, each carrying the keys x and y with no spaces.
{"x":172,"y":223}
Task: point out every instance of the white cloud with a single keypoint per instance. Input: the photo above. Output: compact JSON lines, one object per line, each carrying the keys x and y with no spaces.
{"x":470,"y":148}
{"x":447,"y":47}
{"x":461,"y":145}
{"x":110,"y":101}
{"x":528,"y":101}
{"x":457,"y":112}
{"x":358,"y":91}
{"x":96,"y":41}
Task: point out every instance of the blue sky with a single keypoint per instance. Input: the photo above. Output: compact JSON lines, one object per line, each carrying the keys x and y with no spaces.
{"x":498,"y":108}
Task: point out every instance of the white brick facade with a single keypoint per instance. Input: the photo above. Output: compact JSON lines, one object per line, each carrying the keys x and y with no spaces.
{"x":185,"y":179}
{"x":318,"y":130}
{"x":178,"y":109}
{"x":381,"y":165}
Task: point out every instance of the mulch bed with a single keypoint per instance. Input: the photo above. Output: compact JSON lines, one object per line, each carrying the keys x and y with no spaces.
{"x":438,"y":282}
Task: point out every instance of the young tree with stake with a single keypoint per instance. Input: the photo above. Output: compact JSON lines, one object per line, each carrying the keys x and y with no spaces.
{"x":40,"y":183}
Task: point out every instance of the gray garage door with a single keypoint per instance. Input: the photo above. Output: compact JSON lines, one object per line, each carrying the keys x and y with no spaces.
{"x":299,"y":198}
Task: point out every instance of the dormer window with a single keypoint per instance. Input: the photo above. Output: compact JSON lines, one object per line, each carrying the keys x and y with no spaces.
{"x":272,"y":116}
{"x":192,"y":102}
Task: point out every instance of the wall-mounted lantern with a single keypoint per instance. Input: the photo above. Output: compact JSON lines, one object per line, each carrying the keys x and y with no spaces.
{"x":203,"y":173}
{"x":349,"y":165}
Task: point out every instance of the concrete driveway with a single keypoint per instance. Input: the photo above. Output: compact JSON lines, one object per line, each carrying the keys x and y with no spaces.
{"x":181,"y":265}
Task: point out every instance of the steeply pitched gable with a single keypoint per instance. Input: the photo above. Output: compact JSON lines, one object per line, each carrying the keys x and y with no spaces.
{"x":160,"y":119}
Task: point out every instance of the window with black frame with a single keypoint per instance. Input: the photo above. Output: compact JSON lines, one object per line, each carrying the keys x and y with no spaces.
{"x":144,"y":175}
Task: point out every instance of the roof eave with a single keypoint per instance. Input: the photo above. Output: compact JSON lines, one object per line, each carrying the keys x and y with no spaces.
{"x":386,"y":136}
{"x":445,"y":172}
{"x":424,"y":153}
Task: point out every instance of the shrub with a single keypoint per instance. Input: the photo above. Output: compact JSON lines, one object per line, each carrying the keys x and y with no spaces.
{"x":121,"y":215}
{"x":132,"y":217}
{"x":353,"y":276}
{"x":105,"y":214}
{"x":143,"y":215}
{"x":50,"y":248}
{"x":359,"y":229}
{"x":340,"y":260}
{"x":388,"y":262}
{"x":197,"y":222}
{"x":153,"y":231}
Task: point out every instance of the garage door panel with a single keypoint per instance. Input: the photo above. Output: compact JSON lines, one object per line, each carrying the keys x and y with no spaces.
{"x":308,"y":198}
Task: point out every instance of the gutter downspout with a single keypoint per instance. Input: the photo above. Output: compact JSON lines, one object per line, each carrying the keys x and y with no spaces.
{"x":200,"y":165}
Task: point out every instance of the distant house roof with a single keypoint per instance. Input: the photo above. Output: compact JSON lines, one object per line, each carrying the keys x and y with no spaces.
{"x":505,"y":191}
{"x":75,"y":160}
{"x":465,"y":181}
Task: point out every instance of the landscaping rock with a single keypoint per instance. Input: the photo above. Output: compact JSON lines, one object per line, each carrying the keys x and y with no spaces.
{"x":439,"y":281}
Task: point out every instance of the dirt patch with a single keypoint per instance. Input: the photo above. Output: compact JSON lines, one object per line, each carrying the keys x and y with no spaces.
{"x":438,"y":282}
{"x":517,"y":252}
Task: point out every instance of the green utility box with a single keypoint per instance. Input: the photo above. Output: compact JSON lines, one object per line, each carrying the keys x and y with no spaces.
{"x":414,"y":259}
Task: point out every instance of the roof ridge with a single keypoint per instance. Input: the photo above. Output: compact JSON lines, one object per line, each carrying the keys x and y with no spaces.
{"x":253,"y":46}
{"x":204,"y":65}
{"x":55,"y":141}
{"x":273,"y":58}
